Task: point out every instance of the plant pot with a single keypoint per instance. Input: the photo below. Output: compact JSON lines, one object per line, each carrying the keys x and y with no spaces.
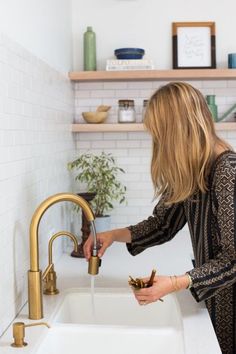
{"x":102,"y":223}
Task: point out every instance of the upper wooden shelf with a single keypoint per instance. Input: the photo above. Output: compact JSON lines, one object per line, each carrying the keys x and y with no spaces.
{"x":190,"y":74}
{"x":133,"y":127}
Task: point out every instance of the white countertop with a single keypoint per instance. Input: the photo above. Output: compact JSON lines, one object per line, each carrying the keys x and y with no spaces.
{"x":117,"y":265}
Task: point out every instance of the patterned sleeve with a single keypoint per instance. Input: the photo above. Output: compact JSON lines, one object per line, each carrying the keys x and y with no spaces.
{"x":220,"y":271}
{"x":161,"y":227}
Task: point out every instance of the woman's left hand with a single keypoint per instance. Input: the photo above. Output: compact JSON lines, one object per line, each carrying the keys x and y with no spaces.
{"x":162,"y":286}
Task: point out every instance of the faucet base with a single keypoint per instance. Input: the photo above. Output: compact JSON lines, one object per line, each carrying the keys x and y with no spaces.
{"x":49,"y":292}
{"x":50,"y":286}
{"x":24,"y":344}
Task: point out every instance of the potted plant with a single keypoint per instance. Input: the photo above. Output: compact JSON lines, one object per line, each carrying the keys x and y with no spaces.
{"x":100,"y":175}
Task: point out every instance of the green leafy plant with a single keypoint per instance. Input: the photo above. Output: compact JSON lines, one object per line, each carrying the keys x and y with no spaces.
{"x":100,"y":174}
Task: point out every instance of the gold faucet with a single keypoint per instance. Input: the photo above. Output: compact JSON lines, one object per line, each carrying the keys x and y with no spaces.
{"x":35,"y":274}
{"x":49,"y":275}
{"x":19,"y":332}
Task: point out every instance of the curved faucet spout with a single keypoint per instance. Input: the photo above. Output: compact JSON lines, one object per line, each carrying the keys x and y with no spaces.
{"x":34,"y":251}
{"x":35,"y":274}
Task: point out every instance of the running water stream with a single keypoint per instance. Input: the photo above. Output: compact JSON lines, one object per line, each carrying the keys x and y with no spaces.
{"x":94,"y":253}
{"x":92,"y":298}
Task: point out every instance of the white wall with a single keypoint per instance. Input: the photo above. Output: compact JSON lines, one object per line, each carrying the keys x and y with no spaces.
{"x":43,"y":27}
{"x":147,"y":24}
{"x":36,"y":111}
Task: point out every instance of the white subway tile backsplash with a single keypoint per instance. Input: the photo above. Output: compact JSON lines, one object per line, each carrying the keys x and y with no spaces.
{"x":131,"y":177}
{"x":157,"y":84}
{"x":128,"y":161}
{"x":36,"y":110}
{"x":230,"y":100}
{"x":82,"y":94}
{"x":225,"y":91}
{"x":104,"y":144}
{"x":85,"y":145}
{"x":196,"y":83}
{"x":231,"y":83}
{"x":114,"y":86}
{"x":139,"y":152}
{"x":3,"y":54}
{"x":127,"y":94}
{"x":208,"y":91}
{"x":117,"y":152}
{"x":214,"y":84}
{"x":102,"y":93}
{"x":90,"y":136}
{"x":140,"y":85}
{"x":138,"y":135}
{"x":89,"y":86}
{"x":89,"y":102}
{"x":117,"y":136}
{"x":146,"y":143}
{"x":146,"y":94}
{"x":127,"y":144}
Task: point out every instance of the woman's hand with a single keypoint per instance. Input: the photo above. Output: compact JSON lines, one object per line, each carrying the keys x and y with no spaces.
{"x":104,"y":240}
{"x":162,"y":286}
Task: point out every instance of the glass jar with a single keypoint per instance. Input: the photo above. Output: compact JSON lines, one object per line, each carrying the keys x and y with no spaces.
{"x":126,"y":111}
{"x":145,"y":102}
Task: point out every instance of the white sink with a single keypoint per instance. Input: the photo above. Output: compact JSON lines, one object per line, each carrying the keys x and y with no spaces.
{"x":118,"y":308}
{"x":104,"y":340}
{"x":118,"y":325}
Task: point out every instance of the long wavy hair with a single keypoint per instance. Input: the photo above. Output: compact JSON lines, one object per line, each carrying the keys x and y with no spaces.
{"x":184,"y":141}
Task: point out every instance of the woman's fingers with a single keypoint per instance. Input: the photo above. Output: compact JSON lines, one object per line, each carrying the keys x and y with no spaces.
{"x":143,"y":299}
{"x":146,"y":295}
{"x":104,"y":240}
{"x":102,"y":249}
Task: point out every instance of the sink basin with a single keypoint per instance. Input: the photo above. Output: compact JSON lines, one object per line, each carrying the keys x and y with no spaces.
{"x":117,"y":308}
{"x":104,"y":340}
{"x":115,"y":324}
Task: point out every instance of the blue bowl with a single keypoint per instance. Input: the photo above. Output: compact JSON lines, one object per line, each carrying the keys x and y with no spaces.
{"x":129,"y":53}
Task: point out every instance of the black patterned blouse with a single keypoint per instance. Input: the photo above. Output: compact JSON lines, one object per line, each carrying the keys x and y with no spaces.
{"x":211,"y":219}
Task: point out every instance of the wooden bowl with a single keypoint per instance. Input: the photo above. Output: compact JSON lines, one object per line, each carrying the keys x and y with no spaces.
{"x":95,"y":117}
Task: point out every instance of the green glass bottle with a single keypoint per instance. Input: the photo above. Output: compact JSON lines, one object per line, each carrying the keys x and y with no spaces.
{"x":212,"y":106}
{"x":90,"y":60}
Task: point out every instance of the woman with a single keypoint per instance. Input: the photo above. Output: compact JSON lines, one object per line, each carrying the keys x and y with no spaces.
{"x":193,"y":172}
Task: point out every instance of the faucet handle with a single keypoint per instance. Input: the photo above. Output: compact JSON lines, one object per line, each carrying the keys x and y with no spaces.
{"x":50,"y":281}
{"x":47,"y":270}
{"x":19,"y":332}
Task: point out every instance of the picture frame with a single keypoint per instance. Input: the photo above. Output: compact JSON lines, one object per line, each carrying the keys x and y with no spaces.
{"x":194,"y":45}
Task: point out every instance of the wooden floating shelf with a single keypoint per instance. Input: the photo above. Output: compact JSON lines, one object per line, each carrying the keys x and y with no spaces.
{"x":133,"y":127}
{"x":115,"y":127}
{"x":177,"y":74}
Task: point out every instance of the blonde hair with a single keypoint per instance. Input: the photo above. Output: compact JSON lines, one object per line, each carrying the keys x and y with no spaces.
{"x":184,"y":141}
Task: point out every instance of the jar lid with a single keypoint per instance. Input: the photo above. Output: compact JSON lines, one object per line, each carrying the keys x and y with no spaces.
{"x":126,"y":103}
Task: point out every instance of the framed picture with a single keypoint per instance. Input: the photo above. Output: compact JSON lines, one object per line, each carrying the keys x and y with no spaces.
{"x":193,"y":45}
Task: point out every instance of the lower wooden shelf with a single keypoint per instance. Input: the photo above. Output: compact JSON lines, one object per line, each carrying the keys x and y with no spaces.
{"x":131,"y":127}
